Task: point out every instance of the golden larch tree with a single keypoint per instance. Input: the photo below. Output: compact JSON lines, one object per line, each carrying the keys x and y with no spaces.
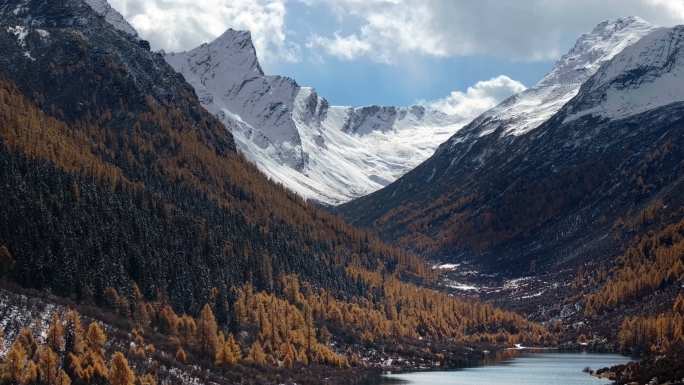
{"x":206,"y":334}
{"x":47,"y":366}
{"x":14,"y":363}
{"x":55,"y":334}
{"x":256,"y":353}
{"x":119,"y":371}
{"x":73,"y":333}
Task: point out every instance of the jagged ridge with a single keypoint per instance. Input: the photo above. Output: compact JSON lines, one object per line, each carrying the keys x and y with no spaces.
{"x":326,"y":153}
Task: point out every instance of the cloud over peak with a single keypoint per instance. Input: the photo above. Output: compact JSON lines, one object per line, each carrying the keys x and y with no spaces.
{"x":181,"y":25}
{"x":524,"y":30}
{"x":477,"y":99}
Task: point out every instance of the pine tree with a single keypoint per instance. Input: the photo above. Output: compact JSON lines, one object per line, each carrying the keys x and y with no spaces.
{"x":181,"y":356}
{"x":28,"y":342}
{"x":256,"y":353}
{"x":679,"y":304}
{"x":168,"y":321}
{"x":7,"y":263}
{"x":228,"y":352}
{"x":288,"y":360}
{"x":63,"y":378}
{"x":325,"y":334}
{"x":582,"y":339}
{"x":302,"y":357}
{"x":187,"y":328}
{"x":234,"y":347}
{"x":95,"y":338}
{"x":90,"y":366}
{"x":31,"y":376}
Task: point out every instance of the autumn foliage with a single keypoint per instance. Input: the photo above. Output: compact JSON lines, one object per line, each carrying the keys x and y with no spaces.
{"x":649,"y":262}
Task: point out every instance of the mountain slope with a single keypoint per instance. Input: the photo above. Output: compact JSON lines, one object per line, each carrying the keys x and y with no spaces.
{"x":112,"y":16}
{"x":325,"y":153}
{"x":504,"y":195}
{"x":114,"y":174}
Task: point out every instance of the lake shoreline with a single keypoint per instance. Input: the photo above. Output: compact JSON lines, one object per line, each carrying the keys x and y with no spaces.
{"x":576,"y":364}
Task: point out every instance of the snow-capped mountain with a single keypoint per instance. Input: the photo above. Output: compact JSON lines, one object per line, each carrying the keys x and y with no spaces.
{"x":529,"y":109}
{"x":552,"y":173}
{"x":644,"y":76}
{"x":326,"y":153}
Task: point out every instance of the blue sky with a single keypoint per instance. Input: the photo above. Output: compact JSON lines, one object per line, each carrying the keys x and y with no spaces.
{"x":362,"y":81}
{"x":396,"y":52}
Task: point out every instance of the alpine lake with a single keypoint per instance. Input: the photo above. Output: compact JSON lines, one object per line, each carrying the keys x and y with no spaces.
{"x":515,"y":368}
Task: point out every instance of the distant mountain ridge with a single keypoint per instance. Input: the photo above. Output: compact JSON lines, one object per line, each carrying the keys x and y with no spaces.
{"x":326,"y":153}
{"x":507,"y":189}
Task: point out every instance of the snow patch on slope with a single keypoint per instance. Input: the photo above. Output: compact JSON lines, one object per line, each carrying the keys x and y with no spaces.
{"x":329,"y":154}
{"x":20,"y":32}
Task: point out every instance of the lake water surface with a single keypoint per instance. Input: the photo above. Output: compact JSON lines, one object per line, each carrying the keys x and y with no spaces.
{"x":525,"y":369}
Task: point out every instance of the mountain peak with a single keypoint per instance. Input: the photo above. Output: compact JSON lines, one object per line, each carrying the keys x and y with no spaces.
{"x":642,"y":77}
{"x":235,"y":35}
{"x":232,"y":52}
{"x":525,"y":111}
{"x":592,"y":49}
{"x":112,"y":16}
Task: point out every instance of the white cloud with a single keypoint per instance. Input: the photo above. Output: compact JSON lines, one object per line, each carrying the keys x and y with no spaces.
{"x":477,"y":99}
{"x":388,"y":31}
{"x":346,"y":48}
{"x":178,"y":25}
{"x":525,"y":30}
{"x":676,"y":7}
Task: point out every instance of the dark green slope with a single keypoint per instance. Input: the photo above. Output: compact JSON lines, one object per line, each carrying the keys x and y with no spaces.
{"x":163,"y":199}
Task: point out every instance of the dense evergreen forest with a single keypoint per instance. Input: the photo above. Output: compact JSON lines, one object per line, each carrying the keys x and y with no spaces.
{"x":138,"y":183}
